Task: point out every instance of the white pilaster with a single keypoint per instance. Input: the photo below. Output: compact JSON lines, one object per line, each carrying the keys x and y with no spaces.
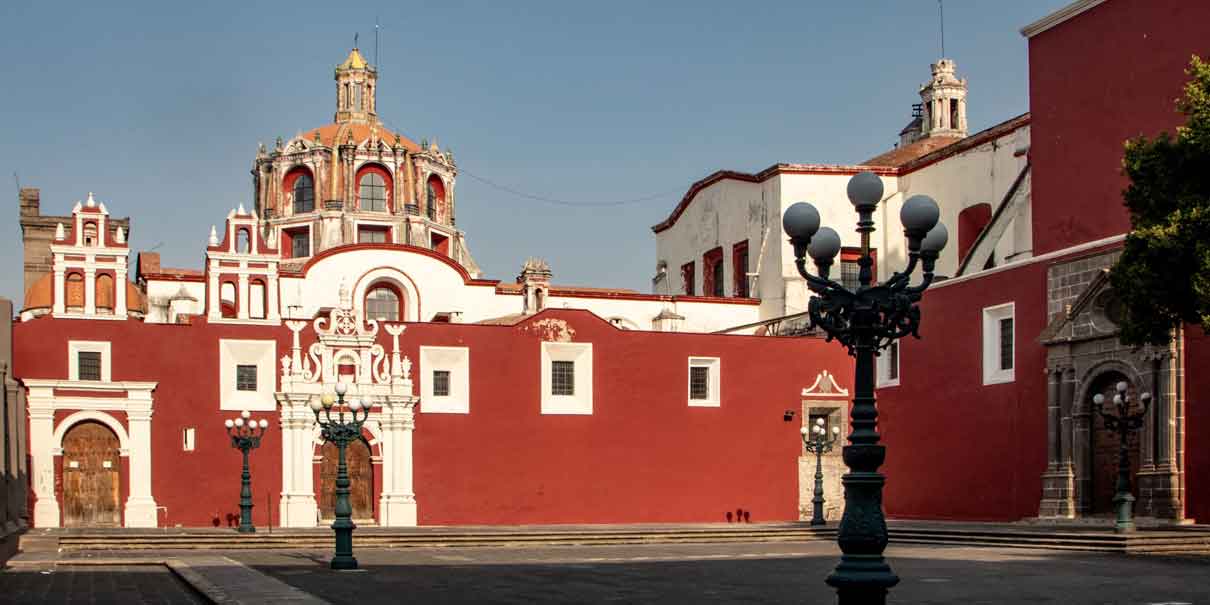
{"x":243,"y":295}
{"x":60,"y":306}
{"x":273,"y":311}
{"x":119,"y":291}
{"x":297,"y":507}
{"x":90,"y":291}
{"x":140,"y":506}
{"x":42,"y":463}
{"x":397,"y":505}
{"x":214,"y":309}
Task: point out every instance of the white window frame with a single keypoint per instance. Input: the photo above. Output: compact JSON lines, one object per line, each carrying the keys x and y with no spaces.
{"x":260,"y":353}
{"x":884,"y":366}
{"x":75,"y":347}
{"x":581,"y":354}
{"x":456,"y":361}
{"x":713,"y":383}
{"x":992,"y":374}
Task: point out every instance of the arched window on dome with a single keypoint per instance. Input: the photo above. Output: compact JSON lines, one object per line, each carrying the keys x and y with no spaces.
{"x":383,"y":303}
{"x":105,"y":293}
{"x":74,"y":293}
{"x":304,"y":193}
{"x":372,"y":192}
{"x":436,"y":196}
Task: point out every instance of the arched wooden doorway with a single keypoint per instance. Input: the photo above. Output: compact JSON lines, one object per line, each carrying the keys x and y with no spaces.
{"x":1106,"y":445}
{"x":361,"y":480}
{"x":91,"y":465}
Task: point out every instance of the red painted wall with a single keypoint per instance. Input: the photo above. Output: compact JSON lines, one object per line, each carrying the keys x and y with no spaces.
{"x":957,"y":449}
{"x":643,"y":455}
{"x":971,"y":222}
{"x":1197,"y":424}
{"x":1107,"y":75}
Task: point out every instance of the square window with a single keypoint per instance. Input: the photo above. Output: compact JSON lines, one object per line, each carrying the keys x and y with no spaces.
{"x":441,"y":383}
{"x":300,"y":245}
{"x":562,"y":378}
{"x":89,"y":365}
{"x":245,"y":377}
{"x":371,"y":235}
{"x":699,"y":382}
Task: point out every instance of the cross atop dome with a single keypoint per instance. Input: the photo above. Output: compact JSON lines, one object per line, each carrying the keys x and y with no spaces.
{"x":356,"y":82}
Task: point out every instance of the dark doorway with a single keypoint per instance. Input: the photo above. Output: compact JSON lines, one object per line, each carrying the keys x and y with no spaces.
{"x":361,"y":480}
{"x":90,"y":476}
{"x":1105,"y":446}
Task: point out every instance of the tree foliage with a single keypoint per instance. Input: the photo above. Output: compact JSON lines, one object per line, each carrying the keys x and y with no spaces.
{"x":1163,"y":275}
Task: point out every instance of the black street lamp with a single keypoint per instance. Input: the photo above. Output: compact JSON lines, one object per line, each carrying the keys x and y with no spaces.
{"x":818,"y":442}
{"x":865,"y":321}
{"x":341,"y":432}
{"x":1123,"y":423}
{"x":245,"y":437}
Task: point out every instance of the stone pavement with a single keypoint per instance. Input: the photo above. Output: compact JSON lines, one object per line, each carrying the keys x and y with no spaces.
{"x":133,"y":584}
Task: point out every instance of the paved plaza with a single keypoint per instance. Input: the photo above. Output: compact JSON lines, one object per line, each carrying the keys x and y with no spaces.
{"x":786,"y":572}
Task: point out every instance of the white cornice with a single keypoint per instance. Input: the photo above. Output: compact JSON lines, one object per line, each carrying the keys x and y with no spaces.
{"x":87,"y":385}
{"x":1113,"y":239}
{"x":1057,"y":17}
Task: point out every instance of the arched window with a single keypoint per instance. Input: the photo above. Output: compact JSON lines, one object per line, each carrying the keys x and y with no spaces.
{"x":436,"y":196}
{"x":105,"y":293}
{"x":373,"y":192}
{"x":256,"y":299}
{"x":226,"y":295}
{"x":74,"y":292}
{"x":304,"y":194}
{"x":241,"y":242}
{"x":90,"y":234}
{"x":382,"y":303}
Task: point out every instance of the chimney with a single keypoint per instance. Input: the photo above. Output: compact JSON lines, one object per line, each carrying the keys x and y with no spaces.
{"x":30,"y":203}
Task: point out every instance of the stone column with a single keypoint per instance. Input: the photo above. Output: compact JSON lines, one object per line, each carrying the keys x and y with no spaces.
{"x":297,"y":506}
{"x":140,"y":506}
{"x":1167,"y":488}
{"x":1077,"y":447}
{"x":1057,"y":488}
{"x":42,"y":459}
{"x":397,"y":505}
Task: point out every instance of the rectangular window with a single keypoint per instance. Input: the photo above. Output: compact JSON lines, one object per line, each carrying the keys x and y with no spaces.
{"x":189,"y":439}
{"x":999,"y":346}
{"x":892,"y":353}
{"x":300,"y":244}
{"x":850,"y":274}
{"x":441,"y":383}
{"x":89,"y":364}
{"x":712,"y":273}
{"x":562,"y":378}
{"x":699,"y":382}
{"x":688,"y":271}
{"x":371,"y":235}
{"x":1006,"y":343}
{"x":245,"y":377}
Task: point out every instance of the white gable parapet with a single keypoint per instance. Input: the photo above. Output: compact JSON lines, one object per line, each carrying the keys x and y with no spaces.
{"x":242,"y":273}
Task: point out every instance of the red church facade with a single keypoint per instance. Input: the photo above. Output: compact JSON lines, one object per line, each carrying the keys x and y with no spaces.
{"x":1028,"y":446}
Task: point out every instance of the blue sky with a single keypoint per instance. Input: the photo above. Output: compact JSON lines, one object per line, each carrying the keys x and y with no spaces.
{"x":158,"y":107}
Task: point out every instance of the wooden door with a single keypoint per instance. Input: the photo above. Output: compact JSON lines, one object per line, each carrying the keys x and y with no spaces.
{"x":1106,"y":447}
{"x":361,"y":480}
{"x":90,"y":476}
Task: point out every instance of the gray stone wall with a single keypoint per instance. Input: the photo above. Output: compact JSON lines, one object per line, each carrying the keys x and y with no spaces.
{"x":1065,"y":282}
{"x":13,"y":471}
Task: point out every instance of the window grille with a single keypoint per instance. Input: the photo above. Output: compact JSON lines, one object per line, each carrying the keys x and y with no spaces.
{"x":300,"y":245}
{"x":441,"y":383}
{"x":1006,"y":343}
{"x":382,"y":304}
{"x":562,"y":378}
{"x":373,"y":192}
{"x":88,"y":365}
{"x":304,"y":195}
{"x":850,"y":274}
{"x":245,"y":377}
{"x":699,"y":382}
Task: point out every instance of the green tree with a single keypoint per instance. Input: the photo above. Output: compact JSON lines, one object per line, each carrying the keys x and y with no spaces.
{"x":1163,"y":276}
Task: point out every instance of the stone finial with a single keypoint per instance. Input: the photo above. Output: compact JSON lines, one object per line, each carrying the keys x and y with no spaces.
{"x":90,"y":202}
{"x":60,"y":232}
{"x":278,"y":145}
{"x":241,"y":210}
{"x":260,"y":150}
{"x":316,"y":138}
{"x":119,"y":235}
{"x":213,"y":236}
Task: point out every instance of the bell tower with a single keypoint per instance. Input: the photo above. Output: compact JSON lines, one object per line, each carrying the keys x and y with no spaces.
{"x":943,"y":100}
{"x":356,"y":85}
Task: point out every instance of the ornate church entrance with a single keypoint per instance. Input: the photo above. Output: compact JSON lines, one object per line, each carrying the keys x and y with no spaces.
{"x":361,"y":480}
{"x":90,"y":476}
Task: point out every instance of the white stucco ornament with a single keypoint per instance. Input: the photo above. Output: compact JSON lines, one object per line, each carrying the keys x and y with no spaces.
{"x":213,"y":236}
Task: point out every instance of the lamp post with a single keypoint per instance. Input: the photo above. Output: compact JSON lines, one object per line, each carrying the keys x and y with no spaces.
{"x":1123,"y":423}
{"x":865,"y":320}
{"x":817,"y":442}
{"x":245,"y":436}
{"x":341,"y":432}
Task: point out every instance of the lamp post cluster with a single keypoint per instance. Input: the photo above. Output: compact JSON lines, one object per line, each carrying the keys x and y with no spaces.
{"x":245,"y":436}
{"x":1123,"y":423}
{"x":341,"y":432}
{"x":865,"y":320}
{"x":817,"y":441}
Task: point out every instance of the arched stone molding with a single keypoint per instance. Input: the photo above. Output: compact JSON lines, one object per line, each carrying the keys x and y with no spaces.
{"x":83,"y":416}
{"x":400,"y":280}
{"x":1091,"y":375}
{"x":134,"y":439}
